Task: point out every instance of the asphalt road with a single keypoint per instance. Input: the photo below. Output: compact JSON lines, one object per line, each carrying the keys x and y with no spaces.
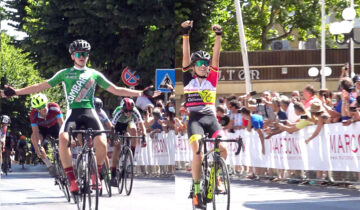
{"x":33,"y":188}
{"x":250,"y":194}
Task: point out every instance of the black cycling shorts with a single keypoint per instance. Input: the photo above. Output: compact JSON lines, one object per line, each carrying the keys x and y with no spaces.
{"x":52,"y":131}
{"x":201,"y":124}
{"x":121,"y":127}
{"x":82,"y":119}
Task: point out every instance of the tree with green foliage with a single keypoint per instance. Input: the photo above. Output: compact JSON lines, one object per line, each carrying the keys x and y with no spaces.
{"x":266,"y":21}
{"x":137,"y":34}
{"x":17,"y":70}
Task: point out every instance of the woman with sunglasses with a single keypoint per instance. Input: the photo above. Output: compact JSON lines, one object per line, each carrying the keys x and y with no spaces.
{"x":200,"y":78}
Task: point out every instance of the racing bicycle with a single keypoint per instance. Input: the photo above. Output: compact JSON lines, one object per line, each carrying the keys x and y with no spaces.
{"x":214,"y":182}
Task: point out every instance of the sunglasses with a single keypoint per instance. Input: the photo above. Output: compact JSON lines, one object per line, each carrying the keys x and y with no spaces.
{"x":201,"y":62}
{"x":40,"y":108}
{"x":79,"y":54}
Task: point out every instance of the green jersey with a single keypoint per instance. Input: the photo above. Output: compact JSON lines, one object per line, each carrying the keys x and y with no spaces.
{"x":79,"y":85}
{"x":121,"y":117}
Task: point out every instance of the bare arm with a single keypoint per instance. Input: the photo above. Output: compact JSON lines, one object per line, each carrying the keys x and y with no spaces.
{"x":217,"y":46}
{"x":119,"y":91}
{"x":186,"y":44}
{"x":33,"y":88}
{"x":319,"y":126}
{"x":60,"y":121}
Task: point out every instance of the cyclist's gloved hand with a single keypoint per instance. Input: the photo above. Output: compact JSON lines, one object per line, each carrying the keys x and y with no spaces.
{"x":9,"y":91}
{"x":150,"y":92}
{"x":217,"y":29}
{"x":186,"y":27}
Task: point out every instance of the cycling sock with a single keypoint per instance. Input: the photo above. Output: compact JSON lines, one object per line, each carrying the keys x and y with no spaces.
{"x":70,"y":173}
{"x":99,"y":168}
{"x":113,"y":171}
{"x":47,"y":162}
{"x":133,"y":149}
{"x":196,"y":187}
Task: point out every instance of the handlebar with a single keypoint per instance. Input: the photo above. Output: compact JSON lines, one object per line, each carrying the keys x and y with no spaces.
{"x":218,"y":140}
{"x":88,"y":131}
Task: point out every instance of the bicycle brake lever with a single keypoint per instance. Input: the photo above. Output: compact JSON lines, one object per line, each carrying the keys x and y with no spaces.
{"x":70,"y":137}
{"x":240,"y":145}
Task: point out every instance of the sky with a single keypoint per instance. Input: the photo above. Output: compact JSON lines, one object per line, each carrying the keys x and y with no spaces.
{"x":11,"y":30}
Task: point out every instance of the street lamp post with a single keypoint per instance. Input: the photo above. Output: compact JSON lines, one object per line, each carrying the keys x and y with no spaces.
{"x":346,"y":28}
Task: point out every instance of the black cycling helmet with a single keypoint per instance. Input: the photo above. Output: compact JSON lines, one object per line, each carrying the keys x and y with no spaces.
{"x":200,"y":55}
{"x":98,"y":103}
{"x":79,"y":45}
{"x":4,"y":119}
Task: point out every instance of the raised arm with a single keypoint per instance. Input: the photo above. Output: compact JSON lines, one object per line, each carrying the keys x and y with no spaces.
{"x":217,"y":46}
{"x":186,"y":27}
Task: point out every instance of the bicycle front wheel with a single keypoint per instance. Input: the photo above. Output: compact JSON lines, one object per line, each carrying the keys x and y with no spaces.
{"x":128,"y":171}
{"x":221,"y":186}
{"x":62,"y":179}
{"x":92,"y":184}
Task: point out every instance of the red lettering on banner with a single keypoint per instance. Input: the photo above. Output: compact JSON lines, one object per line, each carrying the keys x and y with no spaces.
{"x":333,"y":144}
{"x":347,"y":143}
{"x":291,"y":146}
{"x":351,"y":145}
{"x":340,"y":145}
{"x":276,"y":147}
{"x":159,"y":146}
{"x":181,"y":144}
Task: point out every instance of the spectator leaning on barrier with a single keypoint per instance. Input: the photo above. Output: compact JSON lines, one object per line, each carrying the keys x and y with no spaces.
{"x":236,"y":119}
{"x":303,"y":122}
{"x":254,"y":121}
{"x":319,"y":116}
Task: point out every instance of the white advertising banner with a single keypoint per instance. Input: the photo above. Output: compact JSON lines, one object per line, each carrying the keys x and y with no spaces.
{"x":336,"y":148}
{"x":159,"y":150}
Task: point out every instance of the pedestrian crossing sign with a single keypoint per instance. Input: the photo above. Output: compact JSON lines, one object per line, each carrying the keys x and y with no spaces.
{"x":165,"y":78}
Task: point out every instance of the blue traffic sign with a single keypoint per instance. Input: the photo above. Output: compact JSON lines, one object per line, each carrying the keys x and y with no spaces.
{"x":165,"y":78}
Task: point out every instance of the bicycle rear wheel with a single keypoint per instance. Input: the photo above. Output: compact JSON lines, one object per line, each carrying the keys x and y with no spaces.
{"x":128,"y":171}
{"x":221,"y":186}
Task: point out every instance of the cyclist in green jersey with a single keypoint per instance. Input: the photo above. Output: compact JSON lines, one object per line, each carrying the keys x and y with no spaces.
{"x":79,"y":84}
{"x":124,"y":118}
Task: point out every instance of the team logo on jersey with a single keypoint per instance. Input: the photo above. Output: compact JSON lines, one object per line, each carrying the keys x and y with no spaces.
{"x":207,"y":96}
